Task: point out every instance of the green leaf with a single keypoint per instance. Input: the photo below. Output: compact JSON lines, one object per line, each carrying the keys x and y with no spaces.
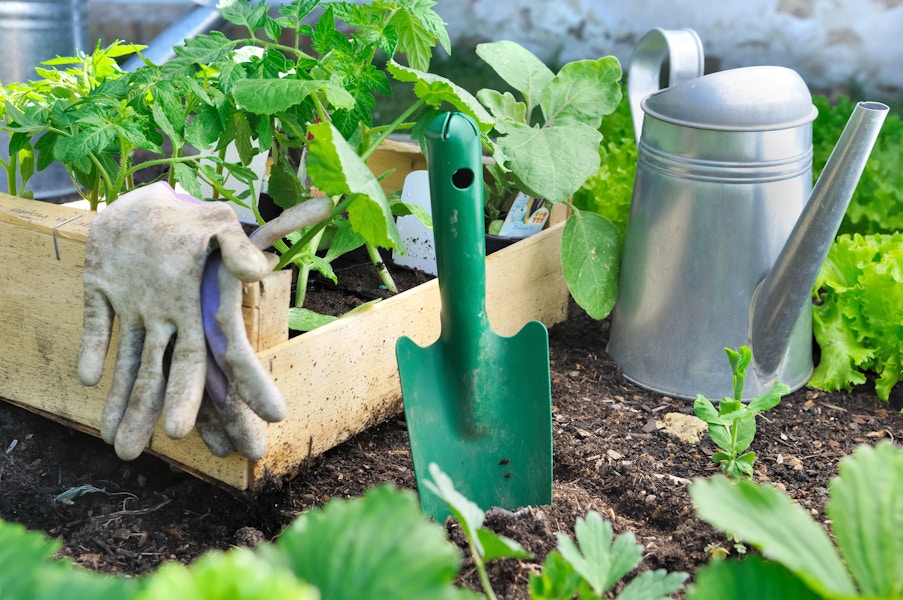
{"x":746,"y":433}
{"x":583,"y":91}
{"x":769,"y":399}
{"x":751,"y":579}
{"x":337,"y":170}
{"x":434,"y":90}
{"x":551,"y":163}
{"x":93,"y":137}
{"x":867,"y":518}
{"x":519,"y":68}
{"x":590,"y":252}
{"x":597,"y":559}
{"x":304,"y":319}
{"x":503,"y":107}
{"x":273,"y":96}
{"x":782,"y":530}
{"x":187,"y":177}
{"x":251,"y":16}
{"x":466,"y":512}
{"x":499,"y":546}
{"x":706,"y":411}
{"x":556,"y":581}
{"x":419,"y":28}
{"x":201,"y":50}
{"x":376,"y":547}
{"x":238,"y":573}
{"x":653,"y":585}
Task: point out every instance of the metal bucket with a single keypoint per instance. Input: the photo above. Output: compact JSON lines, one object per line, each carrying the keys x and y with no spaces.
{"x":34,"y":31}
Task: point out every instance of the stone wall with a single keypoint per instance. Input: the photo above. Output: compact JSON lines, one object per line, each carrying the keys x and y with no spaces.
{"x":829,"y":42}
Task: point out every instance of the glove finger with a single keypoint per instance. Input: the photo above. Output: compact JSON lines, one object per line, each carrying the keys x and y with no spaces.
{"x":185,"y":386}
{"x":246,"y":430}
{"x":96,"y":333}
{"x":146,"y":400}
{"x":242,"y":258}
{"x":125,"y":371}
{"x":212,"y":432}
{"x":302,"y":215}
{"x":242,"y":367}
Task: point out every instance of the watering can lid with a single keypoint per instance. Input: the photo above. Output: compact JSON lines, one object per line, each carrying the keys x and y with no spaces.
{"x":746,"y":99}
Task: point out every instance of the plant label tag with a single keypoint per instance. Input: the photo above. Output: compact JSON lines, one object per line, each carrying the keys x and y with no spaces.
{"x":416,"y":237}
{"x":526,"y":216}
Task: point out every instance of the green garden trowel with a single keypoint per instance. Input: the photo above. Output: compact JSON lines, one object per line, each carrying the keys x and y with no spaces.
{"x":477,"y":404}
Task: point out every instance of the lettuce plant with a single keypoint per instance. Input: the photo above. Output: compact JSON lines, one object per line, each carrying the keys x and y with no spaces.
{"x":865,"y":515}
{"x":856,"y":318}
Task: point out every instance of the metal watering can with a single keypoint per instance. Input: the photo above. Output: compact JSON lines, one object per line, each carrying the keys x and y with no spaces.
{"x":724,"y":239}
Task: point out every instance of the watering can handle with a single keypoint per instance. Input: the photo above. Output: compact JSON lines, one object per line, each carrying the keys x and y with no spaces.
{"x":684,"y":50}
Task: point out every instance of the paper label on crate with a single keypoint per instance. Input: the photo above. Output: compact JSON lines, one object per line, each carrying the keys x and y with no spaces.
{"x":526,"y":217}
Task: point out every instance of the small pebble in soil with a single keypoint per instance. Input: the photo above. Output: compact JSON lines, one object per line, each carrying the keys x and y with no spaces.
{"x":249,"y":537}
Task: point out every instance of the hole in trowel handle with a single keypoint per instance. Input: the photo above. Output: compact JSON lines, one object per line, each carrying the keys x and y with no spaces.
{"x":462,"y":178}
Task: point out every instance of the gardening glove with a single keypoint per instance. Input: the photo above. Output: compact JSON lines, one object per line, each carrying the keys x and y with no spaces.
{"x":227,"y":421}
{"x":144,"y":262}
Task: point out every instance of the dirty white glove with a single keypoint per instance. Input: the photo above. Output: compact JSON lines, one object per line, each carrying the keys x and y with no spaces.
{"x":144,"y":262}
{"x":225,"y":421}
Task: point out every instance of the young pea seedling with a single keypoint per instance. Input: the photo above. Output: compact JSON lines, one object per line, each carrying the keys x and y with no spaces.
{"x":732,"y":426}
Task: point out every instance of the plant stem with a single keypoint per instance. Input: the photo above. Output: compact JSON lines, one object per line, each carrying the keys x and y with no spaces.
{"x":481,"y":572}
{"x":381,"y":270}
{"x":391,"y":127}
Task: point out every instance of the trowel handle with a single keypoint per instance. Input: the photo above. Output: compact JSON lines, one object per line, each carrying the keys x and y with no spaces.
{"x":682,"y":48}
{"x":454,"y":156}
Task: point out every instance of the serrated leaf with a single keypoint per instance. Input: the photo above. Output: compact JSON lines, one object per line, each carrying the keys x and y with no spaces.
{"x":92,"y":138}
{"x":205,"y":128}
{"x":238,"y":573}
{"x":337,"y":170}
{"x":503,"y":107}
{"x":273,"y":96}
{"x":867,"y":518}
{"x":203,"y":49}
{"x":590,"y":254}
{"x":418,"y":29}
{"x":186,"y":177}
{"x":735,"y":580}
{"x":782,"y":530}
{"x":466,"y":512}
{"x":551,"y":163}
{"x":434,"y":90}
{"x":653,"y":585}
{"x":246,"y":14}
{"x":519,"y":68}
{"x":352,"y":549}
{"x":556,"y":581}
{"x":298,"y":9}
{"x":595,"y":557}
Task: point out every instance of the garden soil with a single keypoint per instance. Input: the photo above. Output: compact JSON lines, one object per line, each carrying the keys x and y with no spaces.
{"x":612,"y":454}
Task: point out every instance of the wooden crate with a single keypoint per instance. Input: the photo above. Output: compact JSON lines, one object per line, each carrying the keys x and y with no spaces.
{"x":339,"y":379}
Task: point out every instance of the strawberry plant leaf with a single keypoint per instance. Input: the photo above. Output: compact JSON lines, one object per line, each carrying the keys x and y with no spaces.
{"x":499,"y":546}
{"x":783,"y":531}
{"x":653,"y":585}
{"x":367,"y":556}
{"x":733,"y":580}
{"x":589,"y":261}
{"x":557,"y":581}
{"x":238,"y":573}
{"x":595,"y":557}
{"x":866,"y":516}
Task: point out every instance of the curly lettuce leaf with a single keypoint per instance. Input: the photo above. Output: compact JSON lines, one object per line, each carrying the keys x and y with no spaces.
{"x":859,"y":298}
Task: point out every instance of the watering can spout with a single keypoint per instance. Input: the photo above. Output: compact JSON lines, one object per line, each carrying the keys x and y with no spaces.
{"x":785,"y":290}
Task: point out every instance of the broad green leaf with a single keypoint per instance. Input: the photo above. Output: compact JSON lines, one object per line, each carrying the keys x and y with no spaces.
{"x":866,"y":514}
{"x":499,"y":546}
{"x":345,"y":240}
{"x":764,"y":517}
{"x":434,"y":90}
{"x":769,"y":399}
{"x":375,"y":547}
{"x":745,"y":433}
{"x":92,"y":138}
{"x":705,"y":410}
{"x":583,"y":91}
{"x":337,"y":170}
{"x":595,"y":557}
{"x":466,"y":512}
{"x":750,"y":579}
{"x":204,"y":129}
{"x":556,"y":581}
{"x":304,"y":319}
{"x":551,"y":163}
{"x":503,"y":107}
{"x":519,"y":68}
{"x":238,"y":573}
{"x":589,"y":261}
{"x":284,"y":186}
{"x":653,"y":585}
{"x":251,"y":16}
{"x":273,"y":96}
